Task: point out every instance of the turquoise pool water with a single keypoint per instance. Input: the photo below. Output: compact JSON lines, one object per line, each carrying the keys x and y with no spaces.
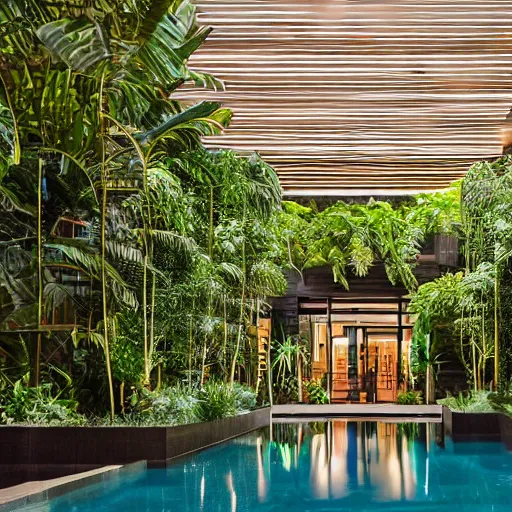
{"x":327,"y":466}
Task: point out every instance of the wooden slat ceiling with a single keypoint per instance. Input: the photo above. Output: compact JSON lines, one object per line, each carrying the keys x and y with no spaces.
{"x":361,"y":96}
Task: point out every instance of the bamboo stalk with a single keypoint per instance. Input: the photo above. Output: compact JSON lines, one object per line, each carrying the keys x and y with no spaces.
{"x":39,"y":271}
{"x":103,"y":268}
{"x":145,"y":319}
{"x":496,"y":332}
{"x":241,"y":317}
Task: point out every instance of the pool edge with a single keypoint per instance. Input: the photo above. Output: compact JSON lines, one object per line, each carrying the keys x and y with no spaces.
{"x":39,"y":492}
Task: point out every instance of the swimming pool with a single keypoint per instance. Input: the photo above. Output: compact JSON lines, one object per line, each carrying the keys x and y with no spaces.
{"x":323,"y":466}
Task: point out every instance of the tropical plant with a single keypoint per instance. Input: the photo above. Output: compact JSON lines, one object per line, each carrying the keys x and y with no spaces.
{"x":245,"y":397}
{"x":316,"y":392}
{"x":354,"y":237}
{"x":473,"y":401}
{"x":411,"y":397}
{"x":40,"y":405}
{"x":216,"y":400}
{"x":290,"y":357}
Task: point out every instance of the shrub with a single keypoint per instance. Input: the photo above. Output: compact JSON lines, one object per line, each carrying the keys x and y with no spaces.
{"x":287,"y":391}
{"x":37,"y":406}
{"x":501,"y":402}
{"x":474,"y":401}
{"x":215,"y":400}
{"x":174,"y":405}
{"x":245,"y":398}
{"x":410,"y":398}
{"x":316,"y":392}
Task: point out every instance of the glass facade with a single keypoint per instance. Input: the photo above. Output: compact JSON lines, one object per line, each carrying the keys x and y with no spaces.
{"x":358,"y":347}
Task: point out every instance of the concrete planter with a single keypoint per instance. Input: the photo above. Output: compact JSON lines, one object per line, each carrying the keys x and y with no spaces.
{"x":99,"y":446}
{"x":506,"y":430}
{"x":472,"y":426}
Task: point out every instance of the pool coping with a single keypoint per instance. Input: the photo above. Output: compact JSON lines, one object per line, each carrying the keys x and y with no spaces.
{"x":34,"y":494}
{"x":357,"y":410}
{"x":380,"y":419}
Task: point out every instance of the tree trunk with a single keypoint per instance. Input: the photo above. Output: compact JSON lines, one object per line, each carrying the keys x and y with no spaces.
{"x":225,"y":341}
{"x":152,"y":321}
{"x":241,"y":317}
{"x":203,"y":360}
{"x":104,"y":298}
{"x":121,"y":397}
{"x":190,"y":346}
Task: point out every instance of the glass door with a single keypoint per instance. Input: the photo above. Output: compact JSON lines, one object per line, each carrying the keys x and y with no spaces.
{"x":346,"y":374}
{"x":381,"y":367}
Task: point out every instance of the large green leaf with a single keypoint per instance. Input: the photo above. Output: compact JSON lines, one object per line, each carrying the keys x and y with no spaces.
{"x":200,"y":111}
{"x":80,"y":43}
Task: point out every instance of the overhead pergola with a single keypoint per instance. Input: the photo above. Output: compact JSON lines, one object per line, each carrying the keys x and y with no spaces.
{"x":361,"y":96}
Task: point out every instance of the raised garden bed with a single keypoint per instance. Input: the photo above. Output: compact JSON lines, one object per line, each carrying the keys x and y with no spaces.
{"x":96,"y":446}
{"x":477,"y":426}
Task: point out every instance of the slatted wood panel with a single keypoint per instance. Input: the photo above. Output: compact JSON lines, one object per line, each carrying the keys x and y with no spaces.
{"x":361,"y":96}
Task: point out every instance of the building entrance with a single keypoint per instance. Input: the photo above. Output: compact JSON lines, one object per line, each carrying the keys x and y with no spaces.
{"x":360,"y":351}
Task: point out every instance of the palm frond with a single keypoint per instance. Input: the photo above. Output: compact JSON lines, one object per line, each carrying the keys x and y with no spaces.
{"x":80,"y":43}
{"x":200,"y":111}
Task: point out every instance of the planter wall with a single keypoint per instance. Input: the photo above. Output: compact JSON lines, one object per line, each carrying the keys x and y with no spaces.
{"x":506,"y":430}
{"x":119,"y":445}
{"x":466,"y":426}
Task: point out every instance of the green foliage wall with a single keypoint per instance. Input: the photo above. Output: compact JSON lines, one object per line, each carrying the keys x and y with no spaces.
{"x":473,"y":306}
{"x":178,"y":254}
{"x":350,"y":238}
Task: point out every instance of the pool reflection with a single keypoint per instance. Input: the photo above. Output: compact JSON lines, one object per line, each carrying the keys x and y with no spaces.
{"x":324,"y":461}
{"x":343,"y":456}
{"x":324,"y":466}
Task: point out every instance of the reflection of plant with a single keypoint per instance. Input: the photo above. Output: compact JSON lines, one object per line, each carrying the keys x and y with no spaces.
{"x":316,"y":392}
{"x":317,"y":427}
{"x":285,"y":433}
{"x":410,"y":398}
{"x":409,"y":430}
